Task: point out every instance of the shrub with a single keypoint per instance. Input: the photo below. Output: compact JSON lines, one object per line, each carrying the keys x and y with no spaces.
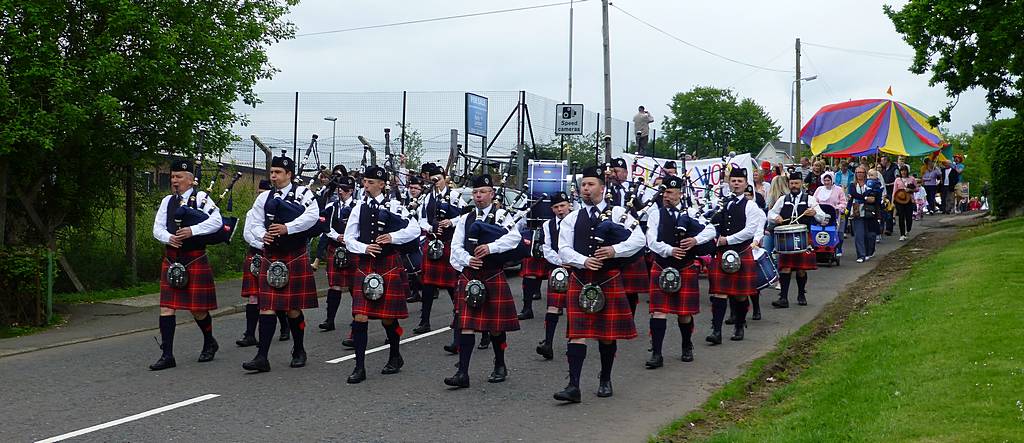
{"x":1004,"y":149}
{"x":22,"y":286}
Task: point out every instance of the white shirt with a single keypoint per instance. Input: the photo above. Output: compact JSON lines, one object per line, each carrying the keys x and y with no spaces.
{"x":335,"y":235}
{"x":460,"y":256}
{"x":399,"y":237}
{"x":812,"y":203}
{"x":445,"y":195}
{"x":664,"y":249}
{"x":550,"y":255}
{"x":642,"y":121}
{"x":567,"y":232}
{"x":255,"y":218}
{"x":755,"y":222}
{"x":204,"y":203}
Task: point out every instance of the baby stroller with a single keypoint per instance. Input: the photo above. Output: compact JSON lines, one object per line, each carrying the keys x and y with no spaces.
{"x":826,"y":238}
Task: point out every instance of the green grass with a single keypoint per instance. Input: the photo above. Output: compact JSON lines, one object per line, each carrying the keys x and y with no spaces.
{"x":19,"y":330}
{"x":107,"y":294}
{"x":941,"y":360}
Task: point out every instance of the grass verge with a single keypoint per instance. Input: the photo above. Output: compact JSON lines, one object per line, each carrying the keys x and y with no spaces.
{"x":20,"y":330}
{"x":927,"y":352}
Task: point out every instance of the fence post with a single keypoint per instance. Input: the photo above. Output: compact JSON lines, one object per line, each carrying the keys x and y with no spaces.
{"x":404,"y":98}
{"x":295,"y":130}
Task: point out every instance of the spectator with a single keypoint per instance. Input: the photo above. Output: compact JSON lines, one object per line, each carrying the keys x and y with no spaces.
{"x":930,"y":176}
{"x":864,"y":208}
{"x":778,"y":189}
{"x":904,"y":187}
{"x":974,"y":205}
{"x":760,"y":185}
{"x":844,"y":176}
{"x":813,"y":179}
{"x":805,"y":167}
{"x":642,"y":122}
{"x":766,"y":171}
{"x":921,"y":200}
{"x":889,"y":174}
{"x":948,"y":179}
{"x":835,"y":196}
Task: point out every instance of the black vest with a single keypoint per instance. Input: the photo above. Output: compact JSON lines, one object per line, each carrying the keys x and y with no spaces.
{"x":583,"y":239}
{"x":371,"y":226}
{"x":292,"y":240}
{"x":190,"y":244}
{"x":553,"y":233}
{"x":800,"y":206}
{"x":732,"y":219}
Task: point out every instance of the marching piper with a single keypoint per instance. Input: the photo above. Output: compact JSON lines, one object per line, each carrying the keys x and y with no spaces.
{"x":797,"y":207}
{"x":376,"y":231}
{"x":635,"y":278}
{"x":340,"y":270}
{"x":484,"y":298}
{"x":603,"y":311}
{"x":673,"y":236}
{"x":251,"y":278}
{"x":283,"y":217}
{"x":560,"y":206}
{"x":412,"y":258}
{"x":732,"y":276}
{"x":442,"y":206}
{"x":186,"y":278}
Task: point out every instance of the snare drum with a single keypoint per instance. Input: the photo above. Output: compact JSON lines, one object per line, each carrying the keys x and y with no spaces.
{"x":767,"y":274}
{"x":791,"y":239}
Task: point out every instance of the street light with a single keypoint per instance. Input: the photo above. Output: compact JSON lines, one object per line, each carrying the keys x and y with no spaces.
{"x":334,"y":126}
{"x":792,"y":110}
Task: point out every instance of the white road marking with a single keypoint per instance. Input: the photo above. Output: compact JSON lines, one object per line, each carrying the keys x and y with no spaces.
{"x":120,"y":421}
{"x":381,"y":348}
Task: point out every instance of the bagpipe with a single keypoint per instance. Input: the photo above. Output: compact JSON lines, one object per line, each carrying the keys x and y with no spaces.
{"x":487,"y":231}
{"x":443,"y":210}
{"x":285,"y":210}
{"x":186,"y":215}
{"x":608,"y":233}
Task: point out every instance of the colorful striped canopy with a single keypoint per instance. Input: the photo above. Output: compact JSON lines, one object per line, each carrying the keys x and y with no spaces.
{"x":865,"y":127}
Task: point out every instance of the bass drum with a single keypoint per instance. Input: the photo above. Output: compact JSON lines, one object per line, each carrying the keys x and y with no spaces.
{"x":767,"y":273}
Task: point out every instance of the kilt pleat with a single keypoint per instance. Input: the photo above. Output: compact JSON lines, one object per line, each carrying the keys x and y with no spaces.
{"x":396,"y":287}
{"x":686,"y":301}
{"x":299,"y":292}
{"x":614,"y":322}
{"x":635,"y":279}
{"x":498,"y":313}
{"x":439,"y":273}
{"x":250,"y":281}
{"x":534,"y":267}
{"x":742,"y":283}
{"x":343,"y":277}
{"x":804,"y":261}
{"x":200,"y":294}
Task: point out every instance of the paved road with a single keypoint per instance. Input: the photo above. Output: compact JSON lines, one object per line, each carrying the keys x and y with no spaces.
{"x":56,"y":391}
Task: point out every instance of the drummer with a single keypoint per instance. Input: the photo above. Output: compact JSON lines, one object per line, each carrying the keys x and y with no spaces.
{"x":797,"y":207}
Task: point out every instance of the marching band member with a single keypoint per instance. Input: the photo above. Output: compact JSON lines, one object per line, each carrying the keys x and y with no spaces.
{"x":596,"y":270}
{"x":671,"y":242}
{"x":560,"y":206}
{"x":437,"y":270}
{"x":800,"y":206}
{"x":737,"y":224}
{"x":286,"y":279}
{"x":479,"y":261}
{"x":413,"y":257}
{"x":635,"y":278}
{"x":375,"y":234}
{"x":190,"y":288}
{"x":338,"y":277}
{"x":251,"y":277}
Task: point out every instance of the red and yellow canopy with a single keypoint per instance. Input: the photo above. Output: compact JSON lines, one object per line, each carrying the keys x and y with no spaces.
{"x":865,"y":127}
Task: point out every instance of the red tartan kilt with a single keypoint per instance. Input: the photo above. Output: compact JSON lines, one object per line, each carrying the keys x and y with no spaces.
{"x":396,"y":287}
{"x":439,"y":273}
{"x":806,"y":261}
{"x":498,"y":314}
{"x":614,"y":322}
{"x":742,"y":283}
{"x":635,"y":278}
{"x":200,"y":294}
{"x":556,"y":299}
{"x":534,"y":267}
{"x":340,"y":277}
{"x":250,"y":282}
{"x":684,"y":302}
{"x":298,"y":293}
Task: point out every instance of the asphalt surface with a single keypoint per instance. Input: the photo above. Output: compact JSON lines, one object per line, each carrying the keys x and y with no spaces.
{"x":55,"y":391}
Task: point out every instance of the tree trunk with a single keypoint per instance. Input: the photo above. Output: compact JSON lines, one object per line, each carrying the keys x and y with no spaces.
{"x":129,"y":226}
{"x":3,"y":202}
{"x":51,"y":242}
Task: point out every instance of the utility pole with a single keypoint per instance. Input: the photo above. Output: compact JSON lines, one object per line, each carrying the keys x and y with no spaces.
{"x":796,"y":100}
{"x":607,"y":84}
{"x":569,"y":99}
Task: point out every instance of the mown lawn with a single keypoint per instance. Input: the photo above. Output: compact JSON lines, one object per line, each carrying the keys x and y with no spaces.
{"x":941,"y":360}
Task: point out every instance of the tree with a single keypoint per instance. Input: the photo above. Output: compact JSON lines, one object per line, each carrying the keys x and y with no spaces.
{"x":90,"y":92}
{"x":705,"y":120}
{"x":413,"y":147}
{"x":967,"y":45}
{"x":579,"y":150}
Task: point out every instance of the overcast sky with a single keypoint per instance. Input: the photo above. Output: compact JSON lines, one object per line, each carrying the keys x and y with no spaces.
{"x":528,"y":50}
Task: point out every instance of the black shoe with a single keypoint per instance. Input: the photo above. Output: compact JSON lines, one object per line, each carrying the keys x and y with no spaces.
{"x":781,"y":303}
{"x":570,"y":394}
{"x":286,"y":335}
{"x":687,"y":355}
{"x":348,"y":343}
{"x":326,"y":326}
{"x":246,"y":341}
{"x":413,"y":298}
{"x":452,"y":349}
{"x":656,"y":361}
{"x":605,"y":388}
{"x":536,"y":296}
{"x":258,"y":364}
{"x":544,"y":349}
{"x":422,"y":328}
{"x":209,"y":351}
{"x":715,"y":338}
{"x":459,"y":380}
{"x":498,"y":375}
{"x":358,"y":376}
{"x":731,"y":320}
{"x":163,"y":363}
{"x":756,"y":315}
{"x":298,"y":359}
{"x":393,"y":367}
{"x":485,"y":342}
{"x":737,"y":333}
{"x":525,"y":314}
{"x":801,"y":299}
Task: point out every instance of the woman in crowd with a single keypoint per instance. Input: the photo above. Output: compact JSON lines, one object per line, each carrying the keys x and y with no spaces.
{"x":813,"y":180}
{"x":930,"y":175}
{"x":903,"y":191}
{"x":779,"y":188}
{"x":834,"y":196}
{"x":864,"y":205}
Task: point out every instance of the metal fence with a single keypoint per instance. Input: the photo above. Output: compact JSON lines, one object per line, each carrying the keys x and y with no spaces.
{"x":287,"y":120}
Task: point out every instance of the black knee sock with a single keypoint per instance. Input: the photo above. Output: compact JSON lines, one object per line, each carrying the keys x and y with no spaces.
{"x":167,"y":324}
{"x":252,"y":318}
{"x":466,"y":344}
{"x":531,"y":286}
{"x":607,"y":358}
{"x":282,"y":317}
{"x":801,"y":283}
{"x":718,"y":306}
{"x":456,"y":333}
{"x":658,"y":326}
{"x":784,"y":279}
{"x":298,"y":327}
{"x":634,"y":299}
{"x":756,"y":302}
{"x":740,"y":309}
{"x":427,"y":303}
{"x":686,"y":329}
{"x":268,"y":323}
{"x":550,"y":323}
{"x":576,"y":352}
{"x":394,"y":333}
{"x":333,"y":302}
{"x":359,"y":340}
{"x":206,"y":325}
{"x":499,"y":342}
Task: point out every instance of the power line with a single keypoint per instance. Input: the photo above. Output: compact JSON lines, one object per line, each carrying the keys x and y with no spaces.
{"x":824,"y":79}
{"x":437,"y":19}
{"x":715,"y":54}
{"x":878,"y":54}
{"x":752,"y":71}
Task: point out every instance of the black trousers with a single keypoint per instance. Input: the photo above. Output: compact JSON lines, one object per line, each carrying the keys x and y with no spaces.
{"x":905,"y":214}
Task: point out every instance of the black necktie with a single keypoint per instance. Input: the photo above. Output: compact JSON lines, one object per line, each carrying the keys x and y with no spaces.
{"x":673,"y":213}
{"x":593,"y":214}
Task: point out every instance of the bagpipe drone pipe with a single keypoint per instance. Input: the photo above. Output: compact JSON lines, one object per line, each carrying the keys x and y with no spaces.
{"x":689,"y":227}
{"x":607,"y":232}
{"x":186,"y":216}
{"x":483,"y":232}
